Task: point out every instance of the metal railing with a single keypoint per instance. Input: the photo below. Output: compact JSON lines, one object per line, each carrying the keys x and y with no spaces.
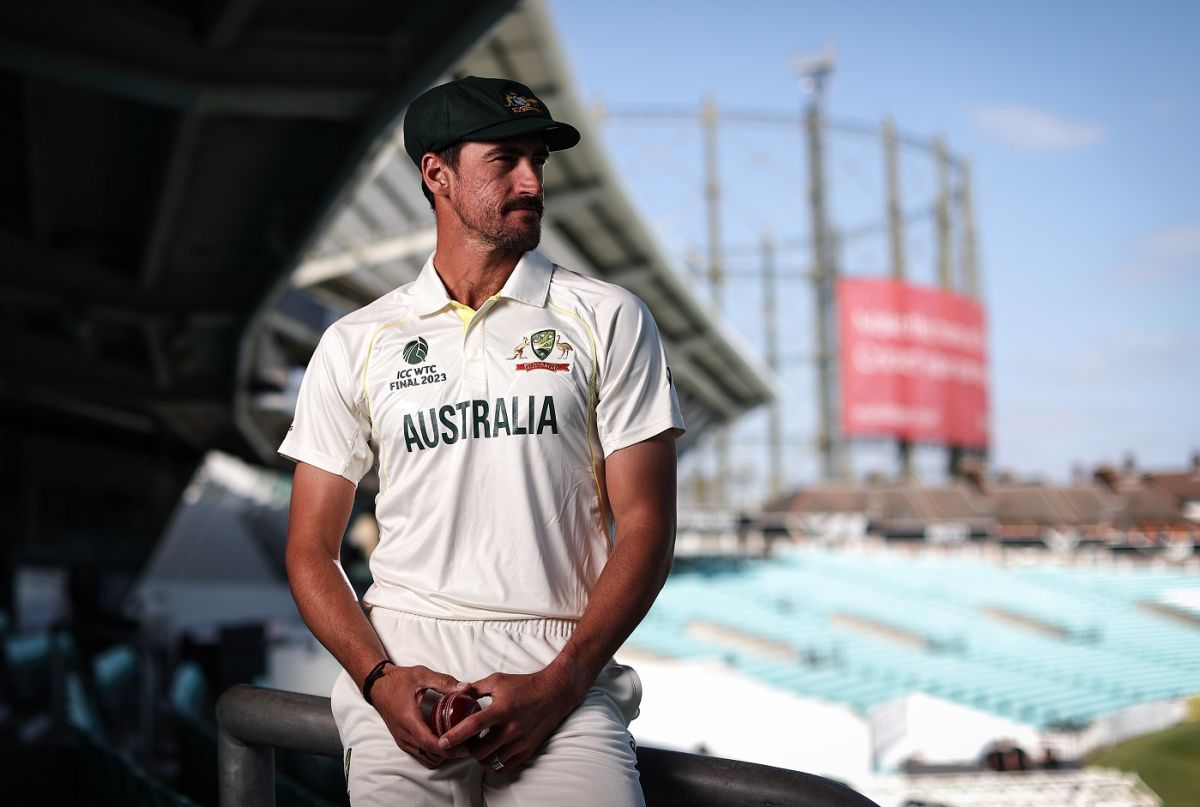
{"x":252,"y":722}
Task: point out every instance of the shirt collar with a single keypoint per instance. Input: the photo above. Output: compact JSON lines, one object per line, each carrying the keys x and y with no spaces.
{"x":529,"y":283}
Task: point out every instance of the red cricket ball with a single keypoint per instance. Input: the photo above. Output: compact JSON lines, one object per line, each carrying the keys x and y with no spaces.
{"x":450,"y":710}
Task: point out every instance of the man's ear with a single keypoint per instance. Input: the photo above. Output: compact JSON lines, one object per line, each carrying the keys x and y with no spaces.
{"x":434,"y":173}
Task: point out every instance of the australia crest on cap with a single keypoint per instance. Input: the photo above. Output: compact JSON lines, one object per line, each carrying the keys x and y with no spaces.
{"x":519,"y":102}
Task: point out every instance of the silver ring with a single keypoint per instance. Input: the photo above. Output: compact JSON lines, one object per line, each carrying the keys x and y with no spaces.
{"x":496,"y":763}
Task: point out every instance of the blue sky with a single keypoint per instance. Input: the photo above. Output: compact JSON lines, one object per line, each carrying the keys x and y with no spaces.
{"x":1082,"y":125}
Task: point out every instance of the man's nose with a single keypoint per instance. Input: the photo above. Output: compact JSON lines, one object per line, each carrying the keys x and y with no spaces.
{"x":529,"y":178}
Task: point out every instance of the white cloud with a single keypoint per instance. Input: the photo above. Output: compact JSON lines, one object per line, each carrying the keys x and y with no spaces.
{"x":1165,"y":108}
{"x":1165,"y":255}
{"x":1151,"y":340}
{"x":1120,"y":357}
{"x":1176,"y":244}
{"x":1034,"y":129}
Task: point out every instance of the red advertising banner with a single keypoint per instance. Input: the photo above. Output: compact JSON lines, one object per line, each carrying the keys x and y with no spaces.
{"x":913,"y":363}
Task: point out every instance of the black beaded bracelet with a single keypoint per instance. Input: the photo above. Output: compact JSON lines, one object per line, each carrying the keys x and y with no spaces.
{"x":374,"y":675}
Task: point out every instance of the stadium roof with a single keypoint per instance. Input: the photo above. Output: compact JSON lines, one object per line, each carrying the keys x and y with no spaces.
{"x":164,"y":167}
{"x":384,"y":233}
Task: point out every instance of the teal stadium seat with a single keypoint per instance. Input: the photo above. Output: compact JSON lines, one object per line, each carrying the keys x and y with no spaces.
{"x":1113,"y":655}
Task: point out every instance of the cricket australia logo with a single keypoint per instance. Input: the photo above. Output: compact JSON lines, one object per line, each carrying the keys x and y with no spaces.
{"x":543,"y":343}
{"x":521,"y":103}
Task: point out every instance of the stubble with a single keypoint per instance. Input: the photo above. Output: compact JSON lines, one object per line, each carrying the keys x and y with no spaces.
{"x":492,"y":223}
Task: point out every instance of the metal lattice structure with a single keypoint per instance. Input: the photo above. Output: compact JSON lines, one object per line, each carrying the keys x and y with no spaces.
{"x":815,"y":198}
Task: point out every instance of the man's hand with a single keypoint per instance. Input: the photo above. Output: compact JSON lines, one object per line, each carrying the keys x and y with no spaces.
{"x":525,"y":711}
{"x":397,"y":697}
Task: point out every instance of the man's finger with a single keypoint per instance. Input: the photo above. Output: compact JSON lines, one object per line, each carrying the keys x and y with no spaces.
{"x":512,"y":761}
{"x":427,"y":740}
{"x":419,"y":755}
{"x":486,"y":686}
{"x":427,"y":744}
{"x":418,"y":735}
{"x":440,"y":682}
{"x":491,"y":744}
{"x":511,"y":766}
{"x":470,"y":728}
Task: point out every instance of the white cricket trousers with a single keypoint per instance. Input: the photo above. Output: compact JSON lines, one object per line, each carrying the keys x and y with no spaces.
{"x":589,"y":762}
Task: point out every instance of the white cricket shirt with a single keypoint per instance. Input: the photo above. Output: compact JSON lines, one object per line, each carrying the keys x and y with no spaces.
{"x":490,"y":430}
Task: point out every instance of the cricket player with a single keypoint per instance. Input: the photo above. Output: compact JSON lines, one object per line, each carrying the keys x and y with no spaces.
{"x":522,"y":419}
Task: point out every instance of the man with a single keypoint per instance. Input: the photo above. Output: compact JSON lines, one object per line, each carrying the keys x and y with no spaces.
{"x":523,"y":420}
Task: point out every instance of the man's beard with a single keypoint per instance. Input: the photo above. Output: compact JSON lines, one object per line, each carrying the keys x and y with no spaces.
{"x":510,"y":239}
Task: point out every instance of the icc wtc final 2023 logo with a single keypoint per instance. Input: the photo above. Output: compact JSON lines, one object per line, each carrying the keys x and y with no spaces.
{"x":543,"y":343}
{"x":419,"y":373}
{"x":416,"y":351}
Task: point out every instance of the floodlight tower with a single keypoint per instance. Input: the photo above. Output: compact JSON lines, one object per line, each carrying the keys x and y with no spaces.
{"x":716,"y":270}
{"x":814,"y":73}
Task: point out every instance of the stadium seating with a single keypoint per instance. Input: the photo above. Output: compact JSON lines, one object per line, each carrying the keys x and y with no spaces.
{"x":1048,"y":645}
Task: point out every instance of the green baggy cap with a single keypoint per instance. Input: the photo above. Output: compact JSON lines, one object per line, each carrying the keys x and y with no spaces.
{"x":475,"y":108}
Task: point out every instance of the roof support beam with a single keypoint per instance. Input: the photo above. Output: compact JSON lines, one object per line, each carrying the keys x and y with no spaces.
{"x":704,"y":387}
{"x":630,"y":275}
{"x":160,"y":359}
{"x":257,"y":100}
{"x":227,"y":23}
{"x":39,"y":273}
{"x":318,"y":270}
{"x":293,"y":329}
{"x":568,"y":198}
{"x":170,"y":197}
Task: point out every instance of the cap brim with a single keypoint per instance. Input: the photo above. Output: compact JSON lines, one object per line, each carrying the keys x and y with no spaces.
{"x":559,"y":136}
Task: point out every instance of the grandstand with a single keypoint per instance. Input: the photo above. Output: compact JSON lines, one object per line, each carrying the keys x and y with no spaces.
{"x":1104,"y":788}
{"x":1056,"y":655}
{"x":1127,"y":511}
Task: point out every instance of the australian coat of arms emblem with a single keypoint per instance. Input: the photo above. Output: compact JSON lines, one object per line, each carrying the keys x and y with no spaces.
{"x":543,"y":343}
{"x":517,"y":102}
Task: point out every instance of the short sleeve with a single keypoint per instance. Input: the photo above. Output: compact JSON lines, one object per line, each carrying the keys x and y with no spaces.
{"x":637,"y":397}
{"x":330,"y":429}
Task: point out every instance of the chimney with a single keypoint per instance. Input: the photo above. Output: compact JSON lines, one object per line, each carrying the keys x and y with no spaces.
{"x":1106,"y":475}
{"x":975,"y":475}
